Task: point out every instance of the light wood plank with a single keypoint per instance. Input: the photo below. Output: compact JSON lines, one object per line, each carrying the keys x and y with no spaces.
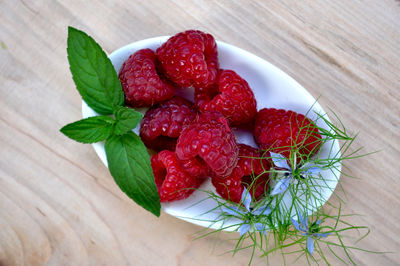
{"x":59,"y":205}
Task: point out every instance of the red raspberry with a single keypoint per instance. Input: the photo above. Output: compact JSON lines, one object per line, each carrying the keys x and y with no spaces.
{"x":251,"y":172}
{"x":210,"y":138}
{"x":190,"y":58}
{"x":196,"y":167}
{"x":176,"y":180}
{"x":162,"y":124}
{"x":284,"y":131}
{"x":203,"y":96}
{"x":142,"y":84}
{"x":231,"y":96}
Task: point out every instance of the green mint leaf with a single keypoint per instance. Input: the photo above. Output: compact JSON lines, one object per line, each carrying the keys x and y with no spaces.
{"x":129,"y":164}
{"x":93,"y":73}
{"x":90,"y":130}
{"x":127,"y":119}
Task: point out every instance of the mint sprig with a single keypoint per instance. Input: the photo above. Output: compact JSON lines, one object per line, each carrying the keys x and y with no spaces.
{"x":129,"y":164}
{"x":93,"y":73}
{"x":98,"y":84}
{"x":90,"y":130}
{"x":127,"y":119}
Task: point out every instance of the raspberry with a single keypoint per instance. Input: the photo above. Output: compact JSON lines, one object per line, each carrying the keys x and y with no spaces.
{"x":142,"y":84}
{"x":251,"y":172}
{"x":203,"y":96}
{"x":284,"y":131}
{"x":173,"y":179}
{"x":231,"y":96}
{"x":190,"y":58}
{"x":210,"y":138}
{"x":162,"y":124}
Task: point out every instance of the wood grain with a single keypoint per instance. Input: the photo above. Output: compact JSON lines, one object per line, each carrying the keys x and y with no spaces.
{"x":60,"y":206}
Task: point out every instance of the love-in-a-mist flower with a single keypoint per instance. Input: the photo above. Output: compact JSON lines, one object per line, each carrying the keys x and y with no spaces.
{"x":309,"y":231}
{"x":280,"y":162}
{"x":248,"y":215}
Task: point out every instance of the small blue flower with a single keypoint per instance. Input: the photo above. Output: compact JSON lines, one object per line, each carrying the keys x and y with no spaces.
{"x":283,"y":184}
{"x":246,"y":201}
{"x":308,"y":231}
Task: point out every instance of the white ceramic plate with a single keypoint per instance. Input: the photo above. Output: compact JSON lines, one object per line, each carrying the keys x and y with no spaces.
{"x":272,"y":88}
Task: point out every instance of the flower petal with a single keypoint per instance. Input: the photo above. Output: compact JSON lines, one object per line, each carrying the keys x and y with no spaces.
{"x":301,"y":219}
{"x":304,"y":221}
{"x":313,"y":170}
{"x":321,"y":235}
{"x":259,"y":226}
{"x":310,"y":245}
{"x":246,"y":199}
{"x":281,"y":186}
{"x":264,"y":210}
{"x":243,"y":229}
{"x":280,"y":161}
{"x":296,"y":224}
{"x":232,"y":210}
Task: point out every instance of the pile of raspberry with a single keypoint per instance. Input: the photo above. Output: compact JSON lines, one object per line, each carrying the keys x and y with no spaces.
{"x":195,"y":141}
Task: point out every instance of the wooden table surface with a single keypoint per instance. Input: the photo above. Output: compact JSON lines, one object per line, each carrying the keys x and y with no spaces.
{"x":60,"y":206}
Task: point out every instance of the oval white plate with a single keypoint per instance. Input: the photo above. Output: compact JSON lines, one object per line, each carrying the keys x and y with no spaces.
{"x":272,"y":88}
